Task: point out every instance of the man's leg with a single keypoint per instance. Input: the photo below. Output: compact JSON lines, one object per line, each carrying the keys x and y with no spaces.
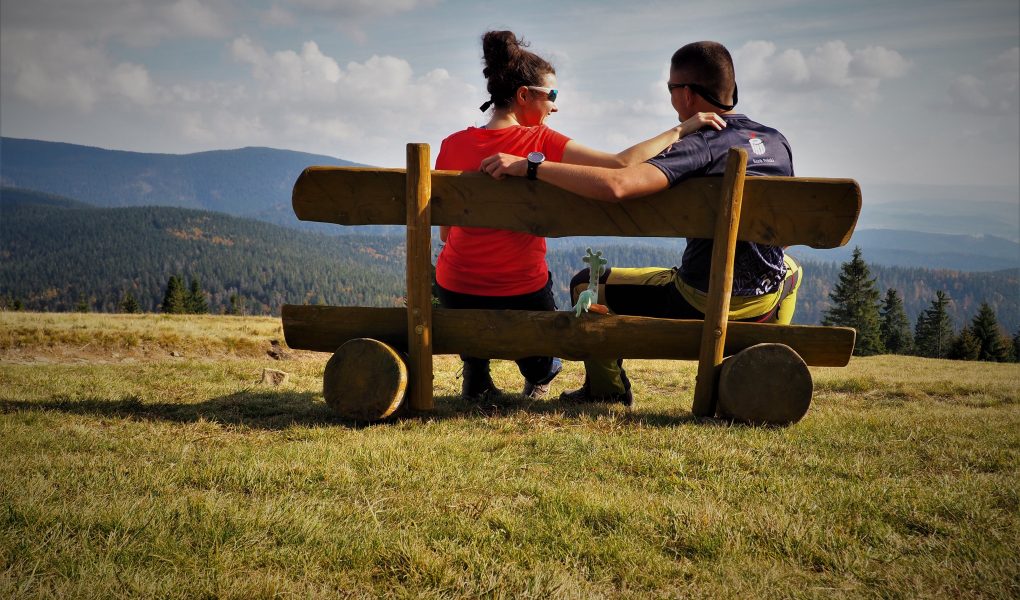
{"x":791,"y":283}
{"x":649,"y":292}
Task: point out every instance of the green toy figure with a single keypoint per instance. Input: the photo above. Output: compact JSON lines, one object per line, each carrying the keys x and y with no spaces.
{"x":586,"y":300}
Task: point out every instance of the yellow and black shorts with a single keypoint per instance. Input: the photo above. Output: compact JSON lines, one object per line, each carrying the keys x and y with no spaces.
{"x":659,"y":292}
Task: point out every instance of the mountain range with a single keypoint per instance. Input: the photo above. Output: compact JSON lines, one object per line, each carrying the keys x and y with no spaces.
{"x":960,"y":228}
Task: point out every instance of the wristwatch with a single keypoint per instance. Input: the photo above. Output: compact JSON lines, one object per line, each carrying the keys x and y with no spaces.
{"x":534,"y":159}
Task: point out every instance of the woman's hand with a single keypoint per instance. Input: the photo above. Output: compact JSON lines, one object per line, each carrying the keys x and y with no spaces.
{"x":501,"y":165}
{"x":700,"y":121}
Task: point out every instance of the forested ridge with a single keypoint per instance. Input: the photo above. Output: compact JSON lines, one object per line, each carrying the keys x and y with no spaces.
{"x":52,"y":257}
{"x":56,"y":253}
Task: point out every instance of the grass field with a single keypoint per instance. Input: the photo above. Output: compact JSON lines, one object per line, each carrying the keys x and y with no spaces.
{"x":129,"y":472}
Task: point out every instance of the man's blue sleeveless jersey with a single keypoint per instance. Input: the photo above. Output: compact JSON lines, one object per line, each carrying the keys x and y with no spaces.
{"x":757,"y":269}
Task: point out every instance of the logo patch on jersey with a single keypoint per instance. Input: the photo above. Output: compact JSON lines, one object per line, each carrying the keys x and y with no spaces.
{"x":757,"y":145}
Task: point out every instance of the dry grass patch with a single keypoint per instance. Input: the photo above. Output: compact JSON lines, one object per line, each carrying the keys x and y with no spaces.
{"x":186,"y":478}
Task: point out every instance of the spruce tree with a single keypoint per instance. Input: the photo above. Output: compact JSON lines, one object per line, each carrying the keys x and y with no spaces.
{"x":895,"y":327}
{"x":175,"y":298}
{"x":965,"y":346}
{"x":855,"y":304}
{"x":985,"y":328}
{"x":933,"y":335}
{"x":129,"y":304}
{"x":236,"y":305}
{"x":196,"y":302}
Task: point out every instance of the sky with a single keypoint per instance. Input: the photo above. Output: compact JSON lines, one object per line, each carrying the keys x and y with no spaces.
{"x":886,"y":92}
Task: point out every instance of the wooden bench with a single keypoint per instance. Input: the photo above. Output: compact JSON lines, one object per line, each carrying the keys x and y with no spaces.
{"x":781,"y":211}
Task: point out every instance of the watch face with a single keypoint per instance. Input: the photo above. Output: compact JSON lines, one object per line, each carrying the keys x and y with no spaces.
{"x":536,"y":157}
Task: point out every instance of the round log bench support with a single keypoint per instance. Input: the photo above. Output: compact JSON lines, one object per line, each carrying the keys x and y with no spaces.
{"x":365,"y":380}
{"x":766,"y":384}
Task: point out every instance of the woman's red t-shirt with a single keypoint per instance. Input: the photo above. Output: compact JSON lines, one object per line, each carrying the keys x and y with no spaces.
{"x":494,"y":262}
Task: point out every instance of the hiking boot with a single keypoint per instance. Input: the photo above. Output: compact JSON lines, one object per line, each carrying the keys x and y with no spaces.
{"x":584,"y":395}
{"x":534,"y":390}
{"x":477,"y":384}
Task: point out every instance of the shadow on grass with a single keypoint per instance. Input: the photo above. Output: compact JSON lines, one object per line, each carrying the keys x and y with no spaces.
{"x":276,"y":410}
{"x":516,"y":406}
{"x":255,"y":409}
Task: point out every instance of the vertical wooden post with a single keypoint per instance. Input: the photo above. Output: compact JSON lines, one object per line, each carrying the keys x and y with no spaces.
{"x":419,"y":277}
{"x":720,"y":283}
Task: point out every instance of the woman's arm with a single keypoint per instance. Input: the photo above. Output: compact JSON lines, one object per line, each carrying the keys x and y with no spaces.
{"x":579,"y":154}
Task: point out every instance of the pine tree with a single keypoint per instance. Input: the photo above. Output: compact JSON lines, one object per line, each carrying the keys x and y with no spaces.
{"x":965,"y":346}
{"x":895,"y":327}
{"x":196,"y":302}
{"x":855,"y":304}
{"x":82,"y":305}
{"x":1016,"y":346}
{"x":933,"y":335}
{"x":985,"y":328}
{"x":19,"y":306}
{"x":175,"y":299}
{"x":236,"y":305}
{"x":129,"y":304}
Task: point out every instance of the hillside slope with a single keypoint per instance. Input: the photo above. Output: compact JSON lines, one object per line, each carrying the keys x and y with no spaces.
{"x":55,"y":256}
{"x":56,"y":253}
{"x":253,"y":182}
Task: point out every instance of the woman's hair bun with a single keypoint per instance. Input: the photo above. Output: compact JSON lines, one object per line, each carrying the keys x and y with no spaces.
{"x":508,"y":65}
{"x":500,"y":48}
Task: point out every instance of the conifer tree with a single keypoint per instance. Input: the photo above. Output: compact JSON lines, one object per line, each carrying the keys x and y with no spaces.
{"x":196,"y":302}
{"x":19,"y":306}
{"x":985,"y":328}
{"x":1016,"y":346}
{"x":175,"y":300}
{"x":895,"y":327}
{"x":965,"y":346}
{"x":129,"y":304}
{"x":855,"y":304}
{"x":933,"y":335}
{"x":82,"y":305}
{"x":236,"y":304}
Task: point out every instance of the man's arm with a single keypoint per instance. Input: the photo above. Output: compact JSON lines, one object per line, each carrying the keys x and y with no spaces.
{"x":599,"y":183}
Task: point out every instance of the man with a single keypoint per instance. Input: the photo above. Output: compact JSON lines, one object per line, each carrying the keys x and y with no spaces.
{"x":701,"y":79}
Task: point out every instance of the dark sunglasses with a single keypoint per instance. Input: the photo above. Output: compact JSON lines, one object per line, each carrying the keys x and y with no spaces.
{"x":704,"y":93}
{"x":552,"y":93}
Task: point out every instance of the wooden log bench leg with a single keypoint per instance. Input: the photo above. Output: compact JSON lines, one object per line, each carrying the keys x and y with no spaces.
{"x":720,"y":284}
{"x":766,"y":384}
{"x":419,"y":278}
{"x":365,"y":380}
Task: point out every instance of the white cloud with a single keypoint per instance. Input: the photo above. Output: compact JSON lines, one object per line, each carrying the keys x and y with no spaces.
{"x":277,"y":16}
{"x":133,"y":22}
{"x":363,"y":111}
{"x":781,"y":76}
{"x":361,"y":8}
{"x":61,"y":71}
{"x":993,"y":88}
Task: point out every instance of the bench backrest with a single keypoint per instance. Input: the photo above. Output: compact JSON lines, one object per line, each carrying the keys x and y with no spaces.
{"x":781,"y":211}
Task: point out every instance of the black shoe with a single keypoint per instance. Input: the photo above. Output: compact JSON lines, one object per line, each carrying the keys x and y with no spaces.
{"x":477,"y":384}
{"x":584,"y":395}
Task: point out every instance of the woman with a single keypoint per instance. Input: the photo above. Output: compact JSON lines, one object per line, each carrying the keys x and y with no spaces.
{"x":498,"y":269}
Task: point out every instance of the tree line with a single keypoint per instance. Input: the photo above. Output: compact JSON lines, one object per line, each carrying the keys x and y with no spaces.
{"x":65,"y":257}
{"x":883,"y":327}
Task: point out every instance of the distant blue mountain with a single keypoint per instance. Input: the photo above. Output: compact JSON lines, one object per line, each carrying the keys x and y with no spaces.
{"x":937,"y":227}
{"x":250,"y":182}
{"x":927,"y":250}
